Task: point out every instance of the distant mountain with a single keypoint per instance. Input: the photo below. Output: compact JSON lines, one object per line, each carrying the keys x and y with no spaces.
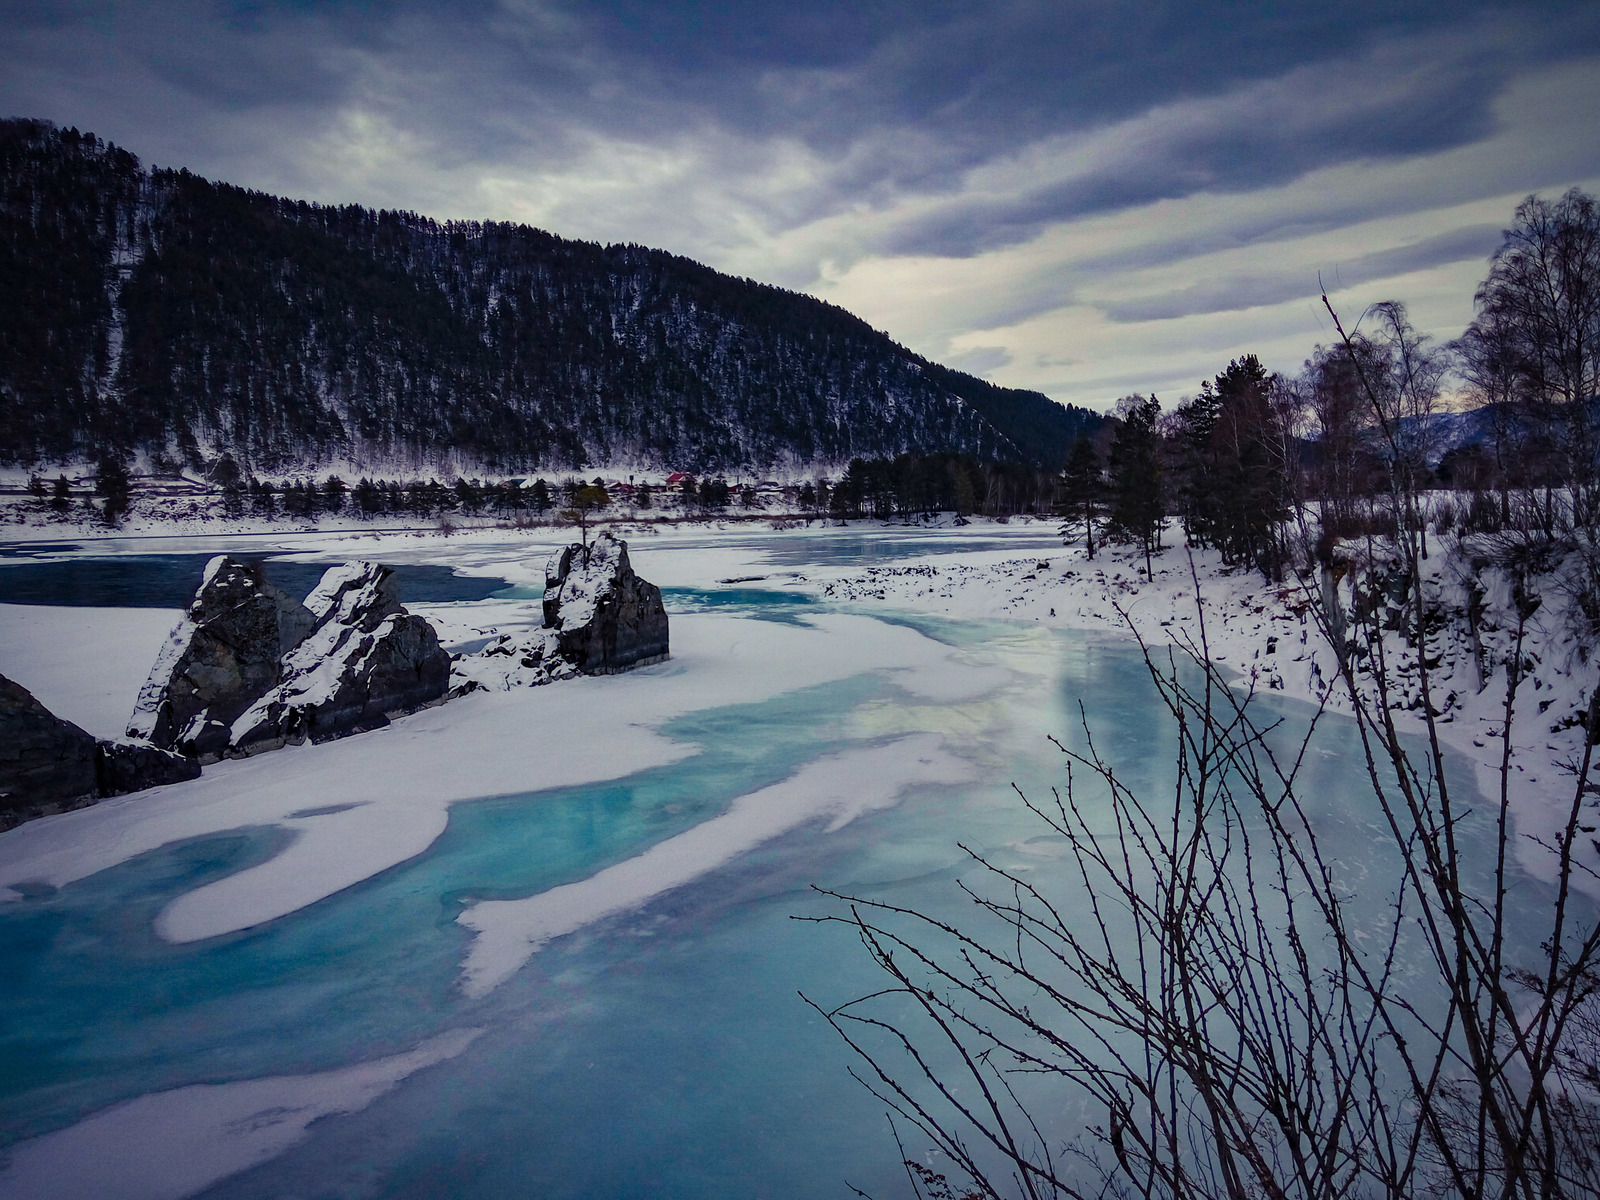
{"x":157,"y":312}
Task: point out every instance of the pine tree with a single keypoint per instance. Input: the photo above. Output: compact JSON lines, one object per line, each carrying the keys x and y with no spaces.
{"x":539,"y":496}
{"x":112,"y":485}
{"x":1082,"y":491}
{"x":1137,"y":508}
{"x":1248,"y":476}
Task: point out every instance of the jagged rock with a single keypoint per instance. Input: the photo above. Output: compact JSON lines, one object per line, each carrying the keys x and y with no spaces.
{"x":366,"y":660}
{"x":46,"y":764}
{"x":222,"y":657}
{"x":124,"y":766}
{"x":604,"y":616}
{"x":50,"y":765}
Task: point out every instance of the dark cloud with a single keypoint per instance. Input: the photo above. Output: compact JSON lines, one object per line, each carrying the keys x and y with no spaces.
{"x":1232,"y":292}
{"x":931,"y":89}
{"x":1258,"y":137}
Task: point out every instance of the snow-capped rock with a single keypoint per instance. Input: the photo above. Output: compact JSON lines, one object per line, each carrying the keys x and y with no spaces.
{"x":222,"y":657}
{"x":367,"y":660}
{"x":604,"y":616}
{"x":599,"y":618}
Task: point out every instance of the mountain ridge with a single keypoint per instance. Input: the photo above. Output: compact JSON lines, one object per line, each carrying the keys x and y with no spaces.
{"x":156,"y":313}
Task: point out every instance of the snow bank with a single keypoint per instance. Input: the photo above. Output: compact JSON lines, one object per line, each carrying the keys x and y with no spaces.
{"x":840,"y":787}
{"x":173,"y":1144}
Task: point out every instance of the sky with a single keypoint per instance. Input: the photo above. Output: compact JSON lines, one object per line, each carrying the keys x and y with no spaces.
{"x":1085,"y":198}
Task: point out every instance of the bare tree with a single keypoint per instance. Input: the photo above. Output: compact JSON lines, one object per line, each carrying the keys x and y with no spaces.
{"x":1536,"y":337}
{"x":1231,"y":1016}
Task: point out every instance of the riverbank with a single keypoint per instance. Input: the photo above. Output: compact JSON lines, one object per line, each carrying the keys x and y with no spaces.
{"x":1268,"y":636}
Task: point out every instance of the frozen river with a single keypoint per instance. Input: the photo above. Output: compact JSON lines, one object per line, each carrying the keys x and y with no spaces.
{"x":536,"y":944}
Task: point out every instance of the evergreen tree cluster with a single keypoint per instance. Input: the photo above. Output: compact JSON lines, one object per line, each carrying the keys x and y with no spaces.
{"x":908,"y":484}
{"x":1234,"y":458}
{"x":158,"y":312}
{"x":1355,"y":444}
{"x":421,"y":498}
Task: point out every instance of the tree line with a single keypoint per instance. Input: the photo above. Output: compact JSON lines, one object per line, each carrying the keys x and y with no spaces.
{"x":1354,"y":441}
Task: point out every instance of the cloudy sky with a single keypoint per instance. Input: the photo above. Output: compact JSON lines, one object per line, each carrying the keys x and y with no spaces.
{"x":1087,"y":198}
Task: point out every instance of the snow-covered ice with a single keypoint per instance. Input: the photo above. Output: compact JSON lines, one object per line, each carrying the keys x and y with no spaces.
{"x":86,"y":665}
{"x":360,"y":806}
{"x":403,"y":779}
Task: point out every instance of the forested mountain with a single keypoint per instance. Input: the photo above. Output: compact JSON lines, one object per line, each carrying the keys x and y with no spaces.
{"x":158,"y":312}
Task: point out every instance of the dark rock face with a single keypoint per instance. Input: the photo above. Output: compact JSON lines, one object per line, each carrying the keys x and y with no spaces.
{"x":366,"y":660}
{"x":604,"y":616}
{"x":46,"y":764}
{"x":222,"y":657}
{"x":122,"y":767}
{"x":50,"y":765}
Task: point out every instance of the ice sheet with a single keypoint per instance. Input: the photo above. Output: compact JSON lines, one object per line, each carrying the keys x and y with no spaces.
{"x":840,"y":787}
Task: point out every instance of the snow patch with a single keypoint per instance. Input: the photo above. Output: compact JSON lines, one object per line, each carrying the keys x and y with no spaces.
{"x":168,"y":1145}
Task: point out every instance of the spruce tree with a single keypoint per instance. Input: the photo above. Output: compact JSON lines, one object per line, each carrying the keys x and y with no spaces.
{"x":111,"y":485}
{"x":539,"y":497}
{"x":1137,"y":508}
{"x":1082,"y":491}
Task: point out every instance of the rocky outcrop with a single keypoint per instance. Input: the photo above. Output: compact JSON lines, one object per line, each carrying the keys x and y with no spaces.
{"x":124,"y":766}
{"x":46,"y":764}
{"x":600,"y":618}
{"x":50,"y":765}
{"x":604,"y":616}
{"x":223,"y":656}
{"x":365,"y":661}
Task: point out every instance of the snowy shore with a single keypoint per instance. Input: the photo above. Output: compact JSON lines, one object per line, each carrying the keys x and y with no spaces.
{"x":1268,"y":636}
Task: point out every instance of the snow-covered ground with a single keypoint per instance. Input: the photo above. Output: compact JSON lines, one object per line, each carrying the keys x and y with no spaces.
{"x":1268,"y":636}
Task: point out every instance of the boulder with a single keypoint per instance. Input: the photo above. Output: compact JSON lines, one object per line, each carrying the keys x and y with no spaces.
{"x":605,"y":617}
{"x":46,"y":764}
{"x":223,"y":656}
{"x":366,"y":660}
